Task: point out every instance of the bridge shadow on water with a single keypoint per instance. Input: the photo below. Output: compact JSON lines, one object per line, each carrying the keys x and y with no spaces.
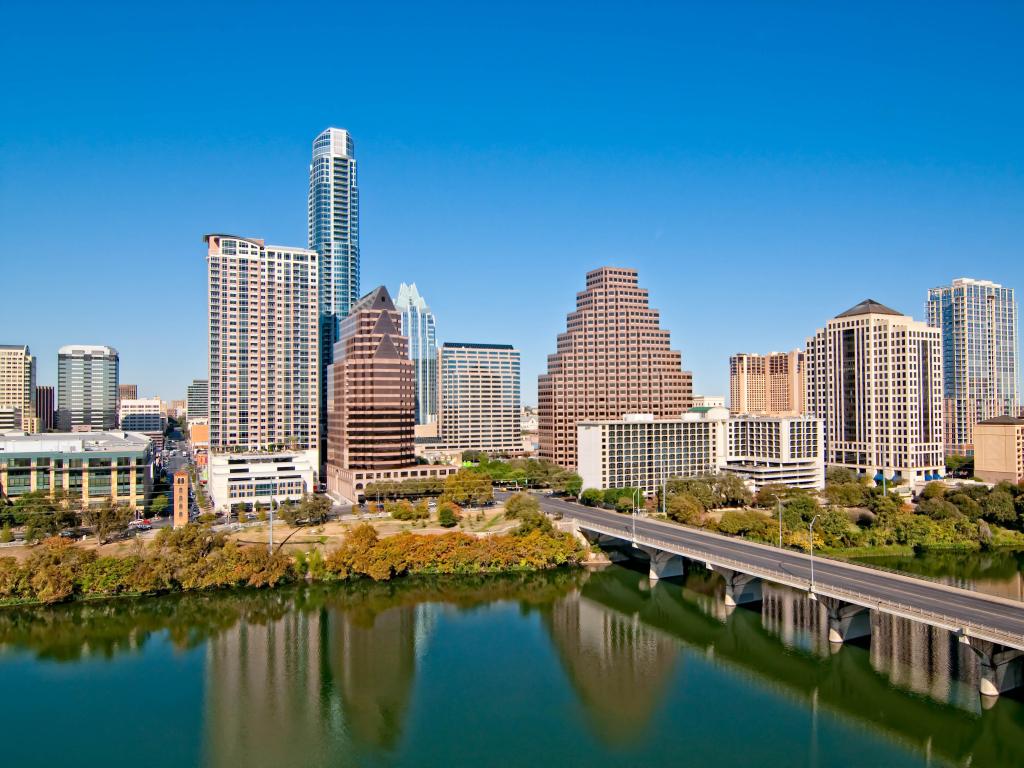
{"x":914,"y":682}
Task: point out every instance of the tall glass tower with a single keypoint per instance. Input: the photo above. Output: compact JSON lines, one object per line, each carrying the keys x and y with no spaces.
{"x":978,"y":319}
{"x":334,"y":234}
{"x":418,"y":326}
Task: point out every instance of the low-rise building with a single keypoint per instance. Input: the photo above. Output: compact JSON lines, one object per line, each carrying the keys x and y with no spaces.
{"x":999,"y":450}
{"x":145,"y":415}
{"x":640,"y":451}
{"x":94,"y":466}
{"x":777,"y":450}
{"x":250,"y":478}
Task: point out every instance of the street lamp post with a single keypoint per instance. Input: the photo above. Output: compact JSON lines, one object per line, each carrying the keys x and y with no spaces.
{"x":270,"y":543}
{"x":812,"y":552}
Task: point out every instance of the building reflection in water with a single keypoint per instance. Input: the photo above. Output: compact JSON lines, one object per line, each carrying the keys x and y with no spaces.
{"x":334,"y":680}
{"x":618,"y":666}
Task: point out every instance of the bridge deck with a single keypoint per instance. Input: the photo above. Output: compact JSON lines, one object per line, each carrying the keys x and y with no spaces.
{"x":957,"y":610}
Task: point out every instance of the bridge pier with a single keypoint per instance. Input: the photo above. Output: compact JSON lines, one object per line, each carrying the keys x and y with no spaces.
{"x":846,"y":621}
{"x":740,"y":588}
{"x":1002,"y":668}
{"x":664,"y":565}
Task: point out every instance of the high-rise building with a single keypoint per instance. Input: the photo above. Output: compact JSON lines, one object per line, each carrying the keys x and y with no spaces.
{"x":612,"y":359}
{"x":198,"y":400}
{"x":333,"y":223}
{"x":87,"y":382}
{"x":978,"y":320}
{"x":128,"y":391}
{"x":371,"y":405}
{"x":18,"y":385}
{"x":875,"y":377}
{"x":45,"y":406}
{"x":480,"y":402}
{"x":145,"y":415}
{"x":418,"y":326}
{"x":263,"y":345}
{"x":769,"y":385}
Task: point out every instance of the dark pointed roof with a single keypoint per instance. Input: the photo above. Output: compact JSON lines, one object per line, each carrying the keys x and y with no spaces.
{"x":384,"y":326}
{"x":378,"y":298}
{"x":387,"y":349}
{"x":869,"y":307}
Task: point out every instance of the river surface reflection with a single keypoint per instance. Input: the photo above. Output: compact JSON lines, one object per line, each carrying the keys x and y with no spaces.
{"x":566,"y":668}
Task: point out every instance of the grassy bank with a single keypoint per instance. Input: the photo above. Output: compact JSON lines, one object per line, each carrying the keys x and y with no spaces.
{"x":196,"y":558}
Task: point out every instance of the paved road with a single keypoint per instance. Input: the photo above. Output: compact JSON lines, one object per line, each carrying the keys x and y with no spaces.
{"x":967,"y":608}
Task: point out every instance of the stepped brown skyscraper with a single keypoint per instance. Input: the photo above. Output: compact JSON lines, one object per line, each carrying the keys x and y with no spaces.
{"x":613,"y":358}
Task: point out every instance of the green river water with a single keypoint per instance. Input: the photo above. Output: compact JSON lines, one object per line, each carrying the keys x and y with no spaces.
{"x":572,"y":668}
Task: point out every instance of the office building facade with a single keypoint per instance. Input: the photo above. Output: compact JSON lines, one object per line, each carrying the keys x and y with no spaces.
{"x":978,"y":322}
{"x":142,"y":415}
{"x":263,"y":478}
{"x":87,"y":387}
{"x":777,"y":450}
{"x":874,"y":376}
{"x":263,"y":345}
{"x":46,"y":402}
{"x":613,"y":358}
{"x":18,"y":386}
{"x":128,"y":391}
{"x":480,"y":405}
{"x":419,"y":328}
{"x":198,"y":399}
{"x":641,"y":451}
{"x":999,"y":450}
{"x":769,"y":385}
{"x":93,"y":467}
{"x":371,"y":402}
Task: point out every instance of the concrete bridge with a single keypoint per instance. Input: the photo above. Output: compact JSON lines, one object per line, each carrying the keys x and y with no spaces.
{"x":992,"y":627}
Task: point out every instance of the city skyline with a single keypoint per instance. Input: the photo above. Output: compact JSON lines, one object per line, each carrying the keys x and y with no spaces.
{"x":862,"y":168}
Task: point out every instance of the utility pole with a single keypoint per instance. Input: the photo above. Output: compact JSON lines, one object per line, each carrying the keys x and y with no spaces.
{"x":778,"y":502}
{"x":270,"y":543}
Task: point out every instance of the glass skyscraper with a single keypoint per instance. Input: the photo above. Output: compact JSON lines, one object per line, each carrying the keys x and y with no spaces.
{"x":87,"y":380}
{"x":334,"y":234}
{"x":418,"y":325}
{"x":978,"y":320}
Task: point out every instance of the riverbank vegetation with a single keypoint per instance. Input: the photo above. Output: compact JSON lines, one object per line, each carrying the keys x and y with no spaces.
{"x":196,"y":557}
{"x":851,"y":514}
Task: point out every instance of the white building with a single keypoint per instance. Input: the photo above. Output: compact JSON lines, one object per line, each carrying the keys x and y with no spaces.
{"x":639,"y":451}
{"x":777,"y":450}
{"x":143,"y":414}
{"x":875,"y":377}
{"x":261,"y":477}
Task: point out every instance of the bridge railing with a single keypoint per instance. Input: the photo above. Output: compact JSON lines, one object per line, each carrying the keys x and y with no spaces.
{"x":944,"y":621}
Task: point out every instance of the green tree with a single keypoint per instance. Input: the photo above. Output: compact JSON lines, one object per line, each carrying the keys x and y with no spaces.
{"x":533,"y":520}
{"x":698,"y":487}
{"x":521,"y":504}
{"x":937,"y":508}
{"x":684,"y":508}
{"x":468,"y":487}
{"x":568,"y":483}
{"x":591,"y":497}
{"x":839,"y":476}
{"x":804,"y":505}
{"x":968,"y":507}
{"x":768,"y":495}
{"x":447,"y":516}
{"x":730,"y":490}
{"x":158,"y":505}
{"x":998,"y":507}
{"x":934,"y":490}
{"x":108,"y":518}
{"x":6,"y":536}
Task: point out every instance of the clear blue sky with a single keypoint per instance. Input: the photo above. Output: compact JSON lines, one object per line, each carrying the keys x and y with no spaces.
{"x":765,"y":166}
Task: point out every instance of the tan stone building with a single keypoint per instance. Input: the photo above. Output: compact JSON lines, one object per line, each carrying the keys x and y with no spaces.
{"x":18,"y":385}
{"x":613,"y":358}
{"x":371,"y":402}
{"x":767,"y":385}
{"x":180,"y":498}
{"x":999,"y":450}
{"x":875,"y":376}
{"x":263,"y":346}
